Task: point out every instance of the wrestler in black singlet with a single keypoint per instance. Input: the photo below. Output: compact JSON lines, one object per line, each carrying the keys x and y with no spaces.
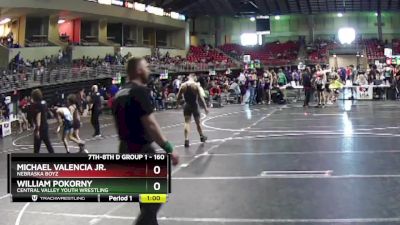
{"x":191,"y":96}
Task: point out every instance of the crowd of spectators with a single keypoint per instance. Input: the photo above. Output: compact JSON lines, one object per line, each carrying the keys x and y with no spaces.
{"x":250,"y":86}
{"x":272,"y":85}
{"x":8,"y":41}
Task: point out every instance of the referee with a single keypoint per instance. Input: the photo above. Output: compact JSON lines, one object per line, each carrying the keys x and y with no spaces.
{"x":39,"y":114}
{"x":96,"y":110}
{"x":137,"y":126}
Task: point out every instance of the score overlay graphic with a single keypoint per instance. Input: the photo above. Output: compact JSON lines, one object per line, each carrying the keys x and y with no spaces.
{"x":89,"y":177}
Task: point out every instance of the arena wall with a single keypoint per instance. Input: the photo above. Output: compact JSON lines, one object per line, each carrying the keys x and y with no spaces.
{"x":33,"y":53}
{"x":290,"y":27}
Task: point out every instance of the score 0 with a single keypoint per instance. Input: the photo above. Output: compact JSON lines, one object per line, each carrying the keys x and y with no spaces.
{"x":158,"y":169}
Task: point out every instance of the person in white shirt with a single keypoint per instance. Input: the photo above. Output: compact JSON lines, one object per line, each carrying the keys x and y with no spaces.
{"x":362,"y":80}
{"x":235,"y":86}
{"x":60,"y":55}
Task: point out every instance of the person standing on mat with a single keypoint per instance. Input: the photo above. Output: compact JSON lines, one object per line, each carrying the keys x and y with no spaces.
{"x":39,"y":115}
{"x":137,"y":127}
{"x":96,"y":111}
{"x":307,"y":85}
{"x":191,"y":94}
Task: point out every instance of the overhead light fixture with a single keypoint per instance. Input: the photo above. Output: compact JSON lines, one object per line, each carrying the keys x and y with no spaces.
{"x":174,"y":15}
{"x":362,"y":56}
{"x":4,"y":21}
{"x":334,"y":56}
{"x":252,"y":19}
{"x":346,"y":35}
{"x":139,"y":6}
{"x":248,"y":39}
{"x":155,"y":10}
{"x":117,"y":2}
{"x":376,"y":14}
{"x":182,"y":17}
{"x":277,"y":17}
{"x":340,"y":14}
{"x":104,"y":2}
{"x":61,"y":21}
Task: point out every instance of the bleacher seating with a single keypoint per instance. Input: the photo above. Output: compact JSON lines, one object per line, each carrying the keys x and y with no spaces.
{"x":396,"y":46}
{"x":319,"y":52}
{"x":204,"y":54}
{"x":232,"y":49}
{"x":270,"y":54}
{"x":375,"y":50}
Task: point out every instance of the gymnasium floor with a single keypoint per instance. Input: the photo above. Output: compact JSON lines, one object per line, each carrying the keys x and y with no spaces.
{"x":261,"y":165}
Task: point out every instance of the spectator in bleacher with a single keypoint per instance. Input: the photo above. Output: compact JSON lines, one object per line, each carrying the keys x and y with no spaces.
{"x":40,"y":72}
{"x":60,"y":56}
{"x":10,"y":39}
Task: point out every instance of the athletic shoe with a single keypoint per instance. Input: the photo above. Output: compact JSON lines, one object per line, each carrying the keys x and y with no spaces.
{"x":187,"y":144}
{"x":203,"y":138}
{"x":96,"y":135}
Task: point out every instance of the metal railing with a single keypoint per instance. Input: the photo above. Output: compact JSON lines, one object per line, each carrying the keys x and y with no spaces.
{"x":27,"y":77}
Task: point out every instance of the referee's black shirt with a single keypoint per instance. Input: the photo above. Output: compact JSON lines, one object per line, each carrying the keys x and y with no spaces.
{"x":129,"y":106}
{"x":96,"y":107}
